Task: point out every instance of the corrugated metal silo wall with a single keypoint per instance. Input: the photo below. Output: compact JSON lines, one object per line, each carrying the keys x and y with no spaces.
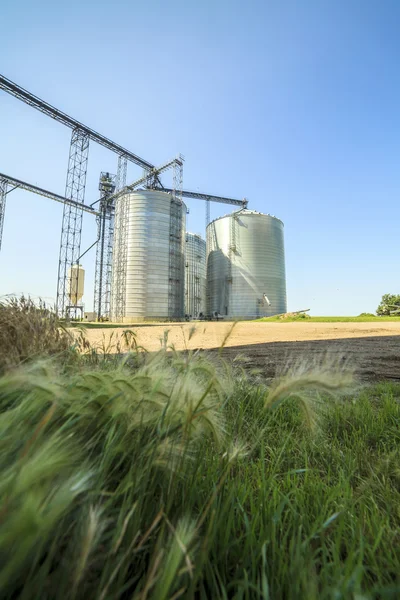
{"x":155,"y":266}
{"x":245,"y":261}
{"x":195,"y":278}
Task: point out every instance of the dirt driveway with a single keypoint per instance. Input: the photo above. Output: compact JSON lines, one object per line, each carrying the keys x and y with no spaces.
{"x":373,"y":348}
{"x":211,"y":335}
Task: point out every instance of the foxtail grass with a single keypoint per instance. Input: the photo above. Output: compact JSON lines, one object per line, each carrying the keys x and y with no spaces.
{"x":174,"y":475}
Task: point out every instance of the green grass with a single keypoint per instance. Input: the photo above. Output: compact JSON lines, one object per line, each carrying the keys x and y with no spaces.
{"x":95,"y":325}
{"x":307,"y":319}
{"x":29,"y":331}
{"x":107,"y":325}
{"x":176,"y":477}
{"x":276,"y":319}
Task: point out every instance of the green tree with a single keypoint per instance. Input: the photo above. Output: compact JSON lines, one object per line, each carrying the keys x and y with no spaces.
{"x":388,"y":303}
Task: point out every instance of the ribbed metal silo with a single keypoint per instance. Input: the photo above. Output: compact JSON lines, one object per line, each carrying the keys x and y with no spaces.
{"x":153,"y":277}
{"x":195,"y":276}
{"x":246,"y":266}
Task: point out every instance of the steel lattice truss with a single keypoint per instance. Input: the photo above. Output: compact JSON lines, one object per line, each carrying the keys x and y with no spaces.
{"x":8,"y":184}
{"x":104,"y":253}
{"x":19,"y":92}
{"x":117,"y":308}
{"x":3,"y":196}
{"x":71,"y":230}
{"x":176,"y":257}
{"x":29,"y":187}
{"x":114,"y":205}
{"x":207,"y":197}
{"x":75,"y":187}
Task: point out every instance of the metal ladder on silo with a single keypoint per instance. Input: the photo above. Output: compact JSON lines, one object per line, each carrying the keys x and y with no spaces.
{"x":197,"y":259}
{"x":213,"y":246}
{"x":176,"y":247}
{"x":231,"y":252}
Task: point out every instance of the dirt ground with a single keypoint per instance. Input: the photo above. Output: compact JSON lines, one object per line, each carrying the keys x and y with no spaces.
{"x":373,"y":348}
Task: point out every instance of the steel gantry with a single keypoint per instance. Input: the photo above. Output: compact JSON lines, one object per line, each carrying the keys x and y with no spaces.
{"x":104,"y":252}
{"x":113,"y":206}
{"x":121,"y":215}
{"x":151,"y":181}
{"x":3,"y":197}
{"x":208,"y":197}
{"x":8,"y":184}
{"x":120,"y":199}
{"x":71,"y":230}
{"x":75,"y":185}
{"x":176,"y":249}
{"x":29,"y":187}
{"x":18,"y":92}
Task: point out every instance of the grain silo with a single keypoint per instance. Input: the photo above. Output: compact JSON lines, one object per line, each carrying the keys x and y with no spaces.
{"x":195,"y":275}
{"x":246,"y":266}
{"x":150,"y":271}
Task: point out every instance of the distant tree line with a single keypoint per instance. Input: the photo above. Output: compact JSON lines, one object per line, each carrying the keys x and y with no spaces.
{"x":388,"y":303}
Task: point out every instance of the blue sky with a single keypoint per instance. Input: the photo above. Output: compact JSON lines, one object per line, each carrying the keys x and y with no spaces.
{"x":294,"y":105}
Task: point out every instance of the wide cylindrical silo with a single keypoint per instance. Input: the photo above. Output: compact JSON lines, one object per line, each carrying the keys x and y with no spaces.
{"x":195,"y":276}
{"x":149,"y":271}
{"x":246,"y":266}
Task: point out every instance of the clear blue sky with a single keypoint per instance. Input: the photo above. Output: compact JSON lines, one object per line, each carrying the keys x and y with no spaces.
{"x":292,"y":104}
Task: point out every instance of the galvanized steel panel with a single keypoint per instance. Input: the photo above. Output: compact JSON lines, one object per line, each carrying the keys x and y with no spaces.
{"x":149,"y":254}
{"x":246,"y":265}
{"x":195,"y":278}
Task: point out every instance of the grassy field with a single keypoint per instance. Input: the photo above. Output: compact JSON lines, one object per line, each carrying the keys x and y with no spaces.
{"x":277,"y":319}
{"x":308,"y":319}
{"x":107,"y":325}
{"x":171,"y":476}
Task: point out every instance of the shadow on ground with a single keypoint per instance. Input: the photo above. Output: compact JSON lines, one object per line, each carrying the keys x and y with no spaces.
{"x":374,"y":358}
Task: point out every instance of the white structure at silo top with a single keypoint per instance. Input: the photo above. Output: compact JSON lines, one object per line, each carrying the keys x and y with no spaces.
{"x":154,"y":276}
{"x":246,"y":266}
{"x":195,"y":277}
{"x":75,"y":284}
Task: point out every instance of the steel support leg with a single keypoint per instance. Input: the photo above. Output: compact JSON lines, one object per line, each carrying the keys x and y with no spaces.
{"x":72,"y":219}
{"x":3,"y":196}
{"x":118,"y":295}
{"x":102,"y":287}
{"x":176,"y":248}
{"x":109,"y":249}
{"x":208,"y":218}
{"x":99,"y":251}
{"x":121,"y":173}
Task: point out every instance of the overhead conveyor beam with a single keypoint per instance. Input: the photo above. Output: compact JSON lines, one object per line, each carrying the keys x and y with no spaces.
{"x":18,"y":183}
{"x":154,"y":173}
{"x":208,"y":197}
{"x":150,"y":180}
{"x":18,"y":92}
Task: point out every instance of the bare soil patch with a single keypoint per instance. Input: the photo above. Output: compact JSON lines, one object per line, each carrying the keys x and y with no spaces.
{"x":373,"y":358}
{"x":211,"y":334}
{"x":373,"y":348}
